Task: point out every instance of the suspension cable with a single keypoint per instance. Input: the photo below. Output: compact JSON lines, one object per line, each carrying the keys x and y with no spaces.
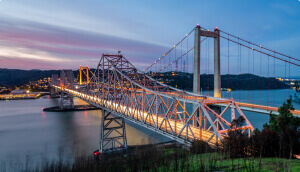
{"x":228,"y":71}
{"x":180,"y":57}
{"x":169,"y":50}
{"x":260,"y":46}
{"x":260,"y":51}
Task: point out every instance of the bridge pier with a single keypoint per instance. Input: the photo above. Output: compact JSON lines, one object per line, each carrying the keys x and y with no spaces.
{"x":112,"y":133}
{"x":197,"y":42}
{"x":53,"y":93}
{"x":54,"y":81}
{"x":217,"y":68}
{"x":66,"y":101}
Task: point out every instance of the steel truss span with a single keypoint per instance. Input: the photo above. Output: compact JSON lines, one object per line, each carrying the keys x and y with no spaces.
{"x":118,"y":87}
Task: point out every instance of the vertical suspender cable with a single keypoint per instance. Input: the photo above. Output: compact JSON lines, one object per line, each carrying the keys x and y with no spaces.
{"x":268,"y":82}
{"x":274,"y":83}
{"x":181,"y":87}
{"x":285,"y":81}
{"x":187,"y":63}
{"x":260,"y":76}
{"x":237,"y":91}
{"x":238,"y":69}
{"x":208,"y":64}
{"x":249,"y":73}
{"x":289,"y":75}
{"x":253,"y":79}
{"x":175,"y":62}
{"x":240,"y":65}
{"x":228,"y":69}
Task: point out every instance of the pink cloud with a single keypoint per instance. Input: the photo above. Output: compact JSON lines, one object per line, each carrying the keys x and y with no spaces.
{"x":70,"y":43}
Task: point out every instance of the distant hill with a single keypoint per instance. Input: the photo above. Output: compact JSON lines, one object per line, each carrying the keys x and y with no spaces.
{"x":235,"y":82}
{"x":180,"y":80}
{"x":20,"y":77}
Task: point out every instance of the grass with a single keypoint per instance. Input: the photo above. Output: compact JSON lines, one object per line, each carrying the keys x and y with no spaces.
{"x":166,"y":158}
{"x":217,"y":162}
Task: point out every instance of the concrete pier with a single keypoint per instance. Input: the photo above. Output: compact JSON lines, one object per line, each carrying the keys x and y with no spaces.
{"x":217,"y":68}
{"x":197,"y":42}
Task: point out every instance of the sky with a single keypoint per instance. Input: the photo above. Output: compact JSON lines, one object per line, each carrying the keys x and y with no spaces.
{"x":56,"y":34}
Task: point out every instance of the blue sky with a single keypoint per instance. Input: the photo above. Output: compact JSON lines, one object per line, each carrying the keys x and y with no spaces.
{"x":55,"y":34}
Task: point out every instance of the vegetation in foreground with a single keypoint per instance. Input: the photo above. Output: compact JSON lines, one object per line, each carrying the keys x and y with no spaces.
{"x":171,"y":158}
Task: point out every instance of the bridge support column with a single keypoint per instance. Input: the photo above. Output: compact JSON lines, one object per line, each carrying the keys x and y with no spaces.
{"x":53,"y":93}
{"x":197,"y":42}
{"x":217,"y":72}
{"x":66,"y":101}
{"x":112,"y":133}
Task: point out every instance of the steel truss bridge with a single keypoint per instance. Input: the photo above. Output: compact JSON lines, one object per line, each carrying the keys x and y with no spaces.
{"x":119,"y":88}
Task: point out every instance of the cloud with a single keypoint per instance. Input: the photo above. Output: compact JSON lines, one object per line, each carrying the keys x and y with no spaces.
{"x":23,"y":39}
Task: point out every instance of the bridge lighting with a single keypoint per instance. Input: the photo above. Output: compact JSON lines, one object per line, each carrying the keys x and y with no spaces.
{"x":252,"y":48}
{"x":187,"y":35}
{"x":260,"y":46}
{"x":174,"y":46}
{"x":216,"y":28}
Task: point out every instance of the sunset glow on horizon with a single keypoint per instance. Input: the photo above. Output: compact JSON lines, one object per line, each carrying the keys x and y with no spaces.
{"x":53,"y":34}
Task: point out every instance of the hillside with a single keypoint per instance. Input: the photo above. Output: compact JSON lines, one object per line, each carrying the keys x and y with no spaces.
{"x":235,"y":82}
{"x":20,"y":77}
{"x":179,"y":80}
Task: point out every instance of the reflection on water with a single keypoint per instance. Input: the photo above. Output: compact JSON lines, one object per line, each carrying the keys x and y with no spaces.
{"x":27,"y":134}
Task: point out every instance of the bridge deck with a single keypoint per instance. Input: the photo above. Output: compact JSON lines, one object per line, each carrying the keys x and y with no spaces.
{"x":267,"y":109}
{"x":157,"y":119}
{"x":244,"y":106}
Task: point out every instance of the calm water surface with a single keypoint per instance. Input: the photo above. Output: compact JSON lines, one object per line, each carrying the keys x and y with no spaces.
{"x":28,"y":135}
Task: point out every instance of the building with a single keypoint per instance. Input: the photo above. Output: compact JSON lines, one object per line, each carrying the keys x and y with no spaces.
{"x":18,"y":91}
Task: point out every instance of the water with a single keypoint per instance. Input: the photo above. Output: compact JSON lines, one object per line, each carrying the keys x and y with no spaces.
{"x":28,"y":135}
{"x":273,"y":98}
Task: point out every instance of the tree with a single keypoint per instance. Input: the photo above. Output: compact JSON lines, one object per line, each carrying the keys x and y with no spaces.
{"x":286,"y":127}
{"x":236,"y":142}
{"x":296,"y":98}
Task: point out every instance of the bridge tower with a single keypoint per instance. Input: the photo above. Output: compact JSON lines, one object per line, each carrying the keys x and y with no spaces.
{"x":66,"y":82}
{"x":112,"y":133}
{"x":197,"y":54}
{"x":87,"y":74}
{"x":54,"y":81}
{"x":66,"y":101}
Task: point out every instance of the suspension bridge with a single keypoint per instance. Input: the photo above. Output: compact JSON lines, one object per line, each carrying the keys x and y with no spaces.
{"x":119,"y":88}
